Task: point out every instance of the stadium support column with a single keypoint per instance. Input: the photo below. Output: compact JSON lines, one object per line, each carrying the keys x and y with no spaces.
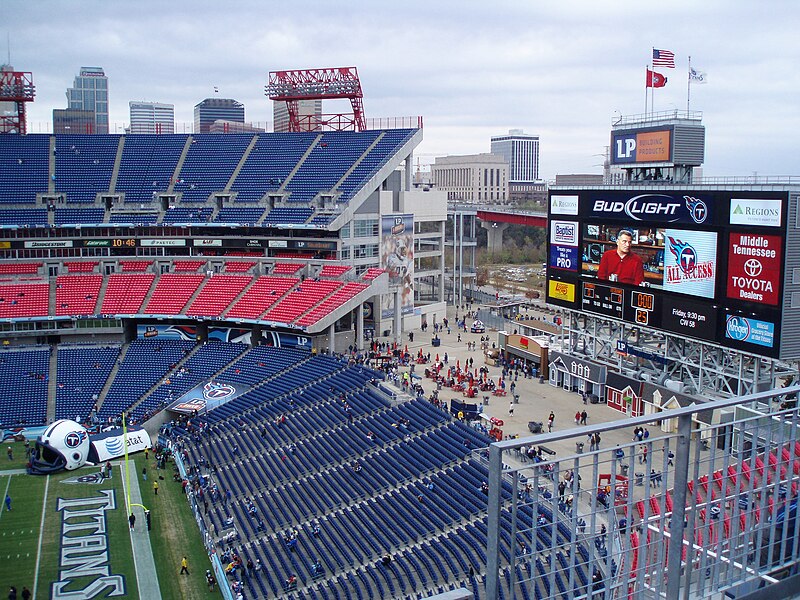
{"x":398,"y":318}
{"x":332,"y":338}
{"x":409,"y":171}
{"x":493,"y":524}
{"x":678,"y":521}
{"x":360,"y":327}
{"x":495,"y":235}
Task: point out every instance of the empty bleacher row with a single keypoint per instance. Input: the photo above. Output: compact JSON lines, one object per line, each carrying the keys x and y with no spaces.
{"x":239,"y":295}
{"x":356,"y":478}
{"x":191,"y":169}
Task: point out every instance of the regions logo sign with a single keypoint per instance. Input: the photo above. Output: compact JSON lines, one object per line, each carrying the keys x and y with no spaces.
{"x":752,"y":331}
{"x":754,"y":268}
{"x":753,"y":211}
{"x":559,"y":290}
{"x":563,"y":205}
{"x":651,"y":208}
{"x":690,"y":262}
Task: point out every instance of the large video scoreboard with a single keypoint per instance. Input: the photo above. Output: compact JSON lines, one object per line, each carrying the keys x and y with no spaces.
{"x":705,"y":265}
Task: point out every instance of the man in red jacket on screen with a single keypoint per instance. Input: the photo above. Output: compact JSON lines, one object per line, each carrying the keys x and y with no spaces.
{"x":620,"y":264}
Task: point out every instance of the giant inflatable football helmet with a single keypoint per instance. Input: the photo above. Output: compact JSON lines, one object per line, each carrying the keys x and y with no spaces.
{"x":63,"y":445}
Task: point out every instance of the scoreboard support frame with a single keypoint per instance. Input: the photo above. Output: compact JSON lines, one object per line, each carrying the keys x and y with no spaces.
{"x":706,"y":368}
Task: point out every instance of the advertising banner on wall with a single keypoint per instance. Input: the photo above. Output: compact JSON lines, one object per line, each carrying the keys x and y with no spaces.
{"x":641,"y":147}
{"x":397,"y":257}
{"x":690,"y":262}
{"x":564,"y":245}
{"x":754,"y":268}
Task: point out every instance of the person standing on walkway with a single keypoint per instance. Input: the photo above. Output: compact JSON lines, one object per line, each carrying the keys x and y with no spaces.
{"x":584,"y":416}
{"x":184,"y":566}
{"x":550,"y":420}
{"x":132,"y":521}
{"x":144,"y":473}
{"x":511,"y":408}
{"x":155,"y":487}
{"x":8,"y":502}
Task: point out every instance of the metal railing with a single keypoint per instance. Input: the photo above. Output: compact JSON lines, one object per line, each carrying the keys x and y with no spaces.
{"x":706,"y":505}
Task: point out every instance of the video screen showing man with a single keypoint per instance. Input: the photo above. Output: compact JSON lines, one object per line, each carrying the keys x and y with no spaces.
{"x":620,"y":264}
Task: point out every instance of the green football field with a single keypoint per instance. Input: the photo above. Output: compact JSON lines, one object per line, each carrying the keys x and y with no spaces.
{"x":66,"y":534}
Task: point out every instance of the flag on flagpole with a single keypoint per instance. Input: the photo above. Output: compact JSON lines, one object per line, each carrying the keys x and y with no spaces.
{"x":655,"y":80}
{"x":696,"y":76}
{"x":663,"y":58}
{"x":216,"y":90}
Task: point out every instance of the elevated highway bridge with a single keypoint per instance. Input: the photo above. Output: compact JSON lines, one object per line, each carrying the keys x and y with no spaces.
{"x":496,"y":219}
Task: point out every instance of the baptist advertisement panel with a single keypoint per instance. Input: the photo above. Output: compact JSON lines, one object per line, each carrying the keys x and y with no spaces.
{"x":564,"y":245}
{"x":397,"y":257}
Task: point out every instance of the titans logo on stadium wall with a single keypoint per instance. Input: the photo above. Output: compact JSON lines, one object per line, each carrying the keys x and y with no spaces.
{"x":697,"y":209}
{"x":217,"y":391}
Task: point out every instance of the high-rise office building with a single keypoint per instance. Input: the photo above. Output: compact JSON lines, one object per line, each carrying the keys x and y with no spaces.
{"x":306,"y":110}
{"x":216,"y":109}
{"x":152,"y":117}
{"x":90,"y":92}
{"x":72,"y":120}
{"x":521,"y":152}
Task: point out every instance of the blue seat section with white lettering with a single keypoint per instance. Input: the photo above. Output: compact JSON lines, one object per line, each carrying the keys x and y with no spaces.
{"x":143,"y":365}
{"x":81,"y":374}
{"x":24,"y":377}
{"x":25,"y":170}
{"x":238,"y":214}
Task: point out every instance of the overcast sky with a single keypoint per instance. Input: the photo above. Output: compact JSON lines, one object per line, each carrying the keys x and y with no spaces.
{"x":562,"y":70}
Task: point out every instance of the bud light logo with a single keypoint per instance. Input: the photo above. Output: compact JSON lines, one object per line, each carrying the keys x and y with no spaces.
{"x":738,"y":328}
{"x":217,"y":391}
{"x":74,"y":438}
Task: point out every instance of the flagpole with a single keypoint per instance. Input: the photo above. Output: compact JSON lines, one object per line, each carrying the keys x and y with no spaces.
{"x":688,"y":86}
{"x":645,"y":90}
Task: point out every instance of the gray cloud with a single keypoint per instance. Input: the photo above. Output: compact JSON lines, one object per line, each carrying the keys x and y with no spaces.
{"x":471,"y":69}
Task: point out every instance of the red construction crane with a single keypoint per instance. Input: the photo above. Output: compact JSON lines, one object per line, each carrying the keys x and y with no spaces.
{"x":16,"y":87}
{"x":319,"y":84}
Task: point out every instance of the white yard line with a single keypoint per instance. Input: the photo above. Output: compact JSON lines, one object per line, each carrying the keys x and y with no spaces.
{"x":3,"y":505}
{"x":41,"y":535}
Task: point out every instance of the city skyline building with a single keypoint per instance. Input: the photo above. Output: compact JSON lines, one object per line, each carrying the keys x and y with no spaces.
{"x":521,"y":152}
{"x":305,"y":108}
{"x":151,"y":117}
{"x":216,"y":109}
{"x":89,"y":92}
{"x":473,"y":178}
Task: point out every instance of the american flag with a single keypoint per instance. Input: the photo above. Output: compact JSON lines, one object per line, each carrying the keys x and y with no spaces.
{"x":663,"y":58}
